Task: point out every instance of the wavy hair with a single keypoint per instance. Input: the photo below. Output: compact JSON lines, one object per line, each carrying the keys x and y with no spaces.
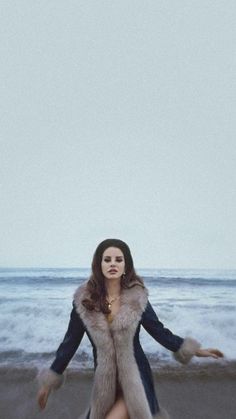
{"x":96,"y":283}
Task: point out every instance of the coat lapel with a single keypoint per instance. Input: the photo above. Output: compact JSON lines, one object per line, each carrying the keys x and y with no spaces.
{"x":115,"y":353}
{"x":132,"y":304}
{"x":104,"y":385}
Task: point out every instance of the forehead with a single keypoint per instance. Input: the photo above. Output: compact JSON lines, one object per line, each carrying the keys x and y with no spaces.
{"x":113,"y":252}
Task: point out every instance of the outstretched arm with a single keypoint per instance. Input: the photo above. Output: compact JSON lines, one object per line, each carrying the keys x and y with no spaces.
{"x":52,"y":378}
{"x":183,"y":349}
{"x":70,"y":343}
{"x":158,"y":331}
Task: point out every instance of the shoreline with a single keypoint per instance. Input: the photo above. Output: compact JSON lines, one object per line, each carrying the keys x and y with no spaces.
{"x":186,"y":392}
{"x":194,"y":369}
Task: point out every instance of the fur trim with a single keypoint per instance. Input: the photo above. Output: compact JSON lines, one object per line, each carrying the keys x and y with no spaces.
{"x":50,"y":379}
{"x":133,"y":302}
{"x":162,"y":414}
{"x":104,"y":385}
{"x":129,"y":376}
{"x":187,"y":350}
{"x":115,"y":355}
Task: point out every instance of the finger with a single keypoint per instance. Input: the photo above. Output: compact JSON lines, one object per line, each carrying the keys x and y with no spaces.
{"x":43,"y":400}
{"x":39,"y":399}
{"x":217,"y":352}
{"x":40,"y":402}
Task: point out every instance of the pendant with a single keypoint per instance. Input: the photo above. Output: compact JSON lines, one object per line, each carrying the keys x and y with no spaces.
{"x":109,"y":317}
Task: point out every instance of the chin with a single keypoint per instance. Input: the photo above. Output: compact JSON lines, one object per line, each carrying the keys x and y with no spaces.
{"x":118,"y":277}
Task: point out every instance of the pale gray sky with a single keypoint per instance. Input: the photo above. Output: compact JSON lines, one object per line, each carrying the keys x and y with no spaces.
{"x":118,"y":120}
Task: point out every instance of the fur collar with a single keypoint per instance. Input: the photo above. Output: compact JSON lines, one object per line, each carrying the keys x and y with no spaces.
{"x":115,"y":354}
{"x":133,"y":302}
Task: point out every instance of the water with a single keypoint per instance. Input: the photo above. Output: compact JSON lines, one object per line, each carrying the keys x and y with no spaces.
{"x":35,"y":305}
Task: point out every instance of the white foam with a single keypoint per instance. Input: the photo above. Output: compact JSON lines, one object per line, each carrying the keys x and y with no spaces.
{"x":34,"y":315}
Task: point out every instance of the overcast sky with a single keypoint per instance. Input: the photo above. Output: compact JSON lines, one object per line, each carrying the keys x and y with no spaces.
{"x":118,"y":120}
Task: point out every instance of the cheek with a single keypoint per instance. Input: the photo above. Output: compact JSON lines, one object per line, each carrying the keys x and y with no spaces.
{"x":122,"y":266}
{"x":102,"y":267}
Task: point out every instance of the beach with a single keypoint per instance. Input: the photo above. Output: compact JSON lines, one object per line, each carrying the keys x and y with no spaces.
{"x":35,"y":309}
{"x":189,"y":392}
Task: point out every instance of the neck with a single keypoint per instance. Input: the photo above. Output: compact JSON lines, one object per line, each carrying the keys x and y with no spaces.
{"x":113,"y":288}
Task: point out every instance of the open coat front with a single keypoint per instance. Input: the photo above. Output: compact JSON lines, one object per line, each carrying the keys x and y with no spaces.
{"x":118,"y":355}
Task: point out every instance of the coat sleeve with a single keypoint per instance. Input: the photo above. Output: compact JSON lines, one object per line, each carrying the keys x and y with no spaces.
{"x":184,"y":349}
{"x":52,"y":377}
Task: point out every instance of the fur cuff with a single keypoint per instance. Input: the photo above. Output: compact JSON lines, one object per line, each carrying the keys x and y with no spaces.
{"x":162,"y":414}
{"x":187,"y":350}
{"x":50,"y":379}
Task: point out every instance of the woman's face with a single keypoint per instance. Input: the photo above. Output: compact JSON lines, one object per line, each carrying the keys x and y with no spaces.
{"x":113,"y":263}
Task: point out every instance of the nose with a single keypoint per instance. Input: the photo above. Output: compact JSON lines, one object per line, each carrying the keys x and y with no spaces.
{"x":113,"y":262}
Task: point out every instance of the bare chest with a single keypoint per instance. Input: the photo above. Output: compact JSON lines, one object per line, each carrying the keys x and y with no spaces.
{"x":115,"y":308}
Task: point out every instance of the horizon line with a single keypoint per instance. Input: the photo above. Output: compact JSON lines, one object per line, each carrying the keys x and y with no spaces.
{"x":136,"y":268}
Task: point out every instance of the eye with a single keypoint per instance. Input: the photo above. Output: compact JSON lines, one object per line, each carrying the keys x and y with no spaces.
{"x":119,"y":259}
{"x":107,"y":259}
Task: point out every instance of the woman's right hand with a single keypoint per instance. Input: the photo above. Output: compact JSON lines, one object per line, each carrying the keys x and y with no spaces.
{"x":43,"y":396}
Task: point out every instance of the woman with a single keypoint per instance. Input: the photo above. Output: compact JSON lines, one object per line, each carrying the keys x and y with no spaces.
{"x":111,"y":307}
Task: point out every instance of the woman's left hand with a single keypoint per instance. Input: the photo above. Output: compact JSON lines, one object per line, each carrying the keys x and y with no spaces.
{"x":214,"y":353}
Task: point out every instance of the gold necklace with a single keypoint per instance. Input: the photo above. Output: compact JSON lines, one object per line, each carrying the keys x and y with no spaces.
{"x":109,"y":303}
{"x":112,"y":301}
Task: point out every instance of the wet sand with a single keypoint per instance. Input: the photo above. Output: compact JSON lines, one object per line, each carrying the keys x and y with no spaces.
{"x":206,"y":392}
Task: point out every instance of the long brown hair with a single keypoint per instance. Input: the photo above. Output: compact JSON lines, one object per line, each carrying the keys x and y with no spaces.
{"x":96,"y":283}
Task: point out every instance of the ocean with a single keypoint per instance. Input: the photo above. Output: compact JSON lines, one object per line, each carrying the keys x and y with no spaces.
{"x":35,"y":306}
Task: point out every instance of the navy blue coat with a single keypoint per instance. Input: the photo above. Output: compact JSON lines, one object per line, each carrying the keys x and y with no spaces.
{"x":151,"y":324}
